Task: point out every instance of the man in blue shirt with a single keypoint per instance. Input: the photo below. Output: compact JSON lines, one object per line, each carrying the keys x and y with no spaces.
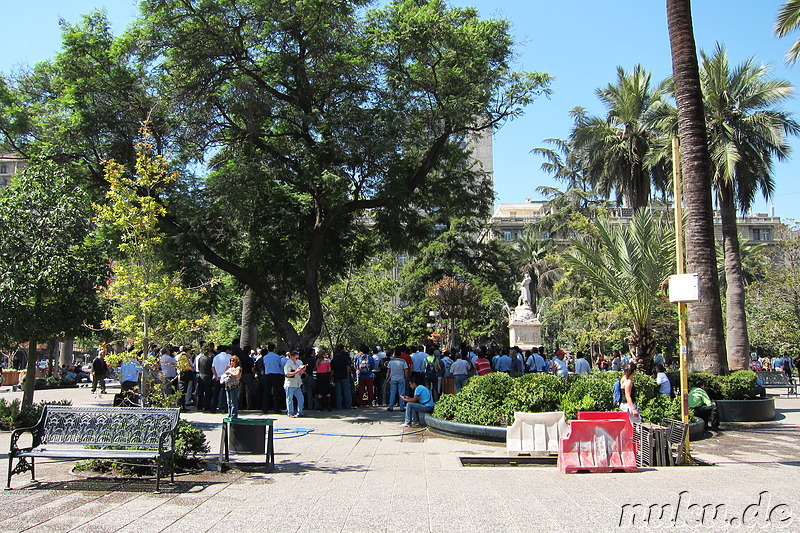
{"x":421,"y":402}
{"x":273,"y":386}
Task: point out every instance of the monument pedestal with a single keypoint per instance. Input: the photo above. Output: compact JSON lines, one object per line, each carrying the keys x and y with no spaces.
{"x":524,"y":329}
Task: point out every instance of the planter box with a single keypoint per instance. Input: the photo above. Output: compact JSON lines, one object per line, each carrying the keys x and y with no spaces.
{"x":758,"y":410}
{"x":10,"y":377}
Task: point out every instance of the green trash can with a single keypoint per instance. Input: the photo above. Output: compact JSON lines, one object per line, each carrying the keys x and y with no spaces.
{"x":247,"y":435}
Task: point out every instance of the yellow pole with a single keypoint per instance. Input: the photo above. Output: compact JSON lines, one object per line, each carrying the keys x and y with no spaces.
{"x":679,"y":258}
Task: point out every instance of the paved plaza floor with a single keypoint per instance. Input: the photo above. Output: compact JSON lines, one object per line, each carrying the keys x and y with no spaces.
{"x":381,"y":477}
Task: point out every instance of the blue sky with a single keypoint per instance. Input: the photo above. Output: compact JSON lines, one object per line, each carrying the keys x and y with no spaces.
{"x":579,"y":42}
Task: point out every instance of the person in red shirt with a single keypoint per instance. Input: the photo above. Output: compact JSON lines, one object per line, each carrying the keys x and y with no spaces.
{"x":482,"y":365}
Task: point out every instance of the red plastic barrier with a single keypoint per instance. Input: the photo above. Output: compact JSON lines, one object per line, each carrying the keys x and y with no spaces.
{"x":598,"y":446}
{"x":605,"y":415}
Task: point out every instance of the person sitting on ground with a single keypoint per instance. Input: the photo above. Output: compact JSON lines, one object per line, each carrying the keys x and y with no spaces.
{"x":421,"y":402}
{"x":703,"y":407}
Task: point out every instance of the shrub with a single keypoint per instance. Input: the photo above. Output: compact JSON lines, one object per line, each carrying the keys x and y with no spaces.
{"x":190,"y":442}
{"x":659,"y":408}
{"x":712,"y":382}
{"x":740,"y":385}
{"x":446,"y":406}
{"x":534,"y":393}
{"x":480,"y":400}
{"x":590,"y":392}
{"x":12,"y":416}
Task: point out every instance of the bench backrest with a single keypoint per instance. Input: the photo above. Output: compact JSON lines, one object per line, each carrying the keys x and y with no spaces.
{"x":106,"y":426}
{"x":773,"y":378}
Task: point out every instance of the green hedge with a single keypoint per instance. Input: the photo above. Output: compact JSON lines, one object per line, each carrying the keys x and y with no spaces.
{"x":491,"y":400}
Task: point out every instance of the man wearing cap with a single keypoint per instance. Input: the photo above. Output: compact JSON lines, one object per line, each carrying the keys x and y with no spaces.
{"x":559,"y":365}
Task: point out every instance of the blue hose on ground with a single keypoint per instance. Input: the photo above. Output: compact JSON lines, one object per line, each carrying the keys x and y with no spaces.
{"x":291,"y":433}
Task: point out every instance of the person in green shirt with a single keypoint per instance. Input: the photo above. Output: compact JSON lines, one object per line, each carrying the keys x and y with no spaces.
{"x":703,"y":407}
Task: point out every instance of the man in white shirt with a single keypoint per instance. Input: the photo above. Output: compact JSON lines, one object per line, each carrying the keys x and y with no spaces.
{"x":218,"y":367}
{"x":418,"y":360}
{"x":558,"y":365}
{"x":460,"y":371}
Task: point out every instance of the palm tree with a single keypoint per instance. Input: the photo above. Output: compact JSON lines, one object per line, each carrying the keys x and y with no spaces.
{"x":628,"y":263}
{"x":706,"y":339}
{"x":746,"y":132}
{"x":788,"y":21}
{"x":532,"y":253}
{"x":616,"y":146}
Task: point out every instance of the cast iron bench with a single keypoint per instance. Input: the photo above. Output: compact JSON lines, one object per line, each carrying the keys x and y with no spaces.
{"x":777,"y":380}
{"x":64,"y":432}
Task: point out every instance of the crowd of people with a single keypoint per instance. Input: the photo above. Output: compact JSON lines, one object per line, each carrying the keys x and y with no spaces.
{"x":231,"y":378}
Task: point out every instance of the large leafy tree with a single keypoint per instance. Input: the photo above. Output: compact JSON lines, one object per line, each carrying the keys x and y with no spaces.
{"x":616,"y":146}
{"x":705,"y":327}
{"x":327,"y":122}
{"x":627,"y":264}
{"x":49,"y":268}
{"x":84,"y":106}
{"x":773,"y":304}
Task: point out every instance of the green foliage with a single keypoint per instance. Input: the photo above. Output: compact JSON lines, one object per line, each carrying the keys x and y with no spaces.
{"x":14,"y":415}
{"x":49,"y":268}
{"x":740,"y":385}
{"x":773,"y":303}
{"x":492,"y":399}
{"x":712,"y":382}
{"x":445,"y":408}
{"x":588,"y":392}
{"x":481,"y":399}
{"x":659,"y":408}
{"x":190,"y":442}
{"x":53,"y":382}
{"x":627,"y":263}
{"x":533,"y":393}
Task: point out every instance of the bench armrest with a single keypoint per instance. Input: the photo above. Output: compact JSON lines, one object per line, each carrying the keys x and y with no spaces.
{"x":166,"y":441}
{"x":17,"y":433}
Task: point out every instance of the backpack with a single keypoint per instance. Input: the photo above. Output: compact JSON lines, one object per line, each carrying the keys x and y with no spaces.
{"x":431,"y":373}
{"x":363,"y":365}
{"x":617,"y":392}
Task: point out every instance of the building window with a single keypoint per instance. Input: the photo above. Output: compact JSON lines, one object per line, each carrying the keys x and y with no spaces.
{"x":507,"y":235}
{"x":756,"y":234}
{"x":518,"y":235}
{"x":766,"y":235}
{"x":513,"y":214}
{"x":3,"y":168}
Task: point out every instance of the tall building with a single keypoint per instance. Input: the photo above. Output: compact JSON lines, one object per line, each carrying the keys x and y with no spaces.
{"x":510,"y":220}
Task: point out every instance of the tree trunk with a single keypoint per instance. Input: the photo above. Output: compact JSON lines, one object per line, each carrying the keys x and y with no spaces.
{"x":65,"y":352}
{"x":30,"y":375}
{"x":645,"y":347}
{"x":249,"y":330}
{"x":705,"y":329}
{"x":736,"y":339}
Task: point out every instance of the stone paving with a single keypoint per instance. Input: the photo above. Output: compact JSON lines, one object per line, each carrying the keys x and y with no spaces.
{"x":386,"y":480}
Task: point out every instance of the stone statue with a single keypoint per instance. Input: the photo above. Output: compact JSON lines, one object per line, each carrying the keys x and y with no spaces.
{"x":525,"y":291}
